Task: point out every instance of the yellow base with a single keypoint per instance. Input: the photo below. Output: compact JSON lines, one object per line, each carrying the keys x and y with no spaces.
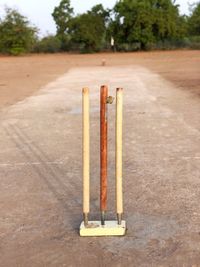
{"x":111,"y":228}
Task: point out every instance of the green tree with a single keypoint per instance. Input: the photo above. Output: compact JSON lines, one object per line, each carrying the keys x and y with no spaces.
{"x":166,"y":19}
{"x":105,"y":14}
{"x":98,"y":10}
{"x":88,"y":30}
{"x":48,"y":44}
{"x":194,"y":21}
{"x":16,"y":34}
{"x":62,"y":16}
{"x":144,"y":21}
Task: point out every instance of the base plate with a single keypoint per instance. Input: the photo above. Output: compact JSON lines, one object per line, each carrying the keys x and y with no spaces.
{"x":111,"y":228}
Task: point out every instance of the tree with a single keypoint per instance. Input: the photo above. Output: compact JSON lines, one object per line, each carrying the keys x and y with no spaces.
{"x":144,"y":21}
{"x":48,"y":44}
{"x":166,"y":19}
{"x":16,"y":34}
{"x":194,"y":20}
{"x":87,"y":31}
{"x":105,"y":14}
{"x":98,"y":10}
{"x":62,"y":15}
{"x":132,"y":22}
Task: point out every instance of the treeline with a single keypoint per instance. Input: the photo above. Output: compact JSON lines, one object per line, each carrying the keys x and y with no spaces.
{"x":129,"y":26}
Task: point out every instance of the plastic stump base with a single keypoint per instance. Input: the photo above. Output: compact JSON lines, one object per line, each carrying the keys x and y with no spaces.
{"x":111,"y":228}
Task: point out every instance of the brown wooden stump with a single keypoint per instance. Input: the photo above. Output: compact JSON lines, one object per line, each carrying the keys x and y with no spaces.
{"x":103,"y":152}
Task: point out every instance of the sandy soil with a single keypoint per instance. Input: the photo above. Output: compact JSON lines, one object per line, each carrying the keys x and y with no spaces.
{"x":21,"y":77}
{"x":40,"y":164}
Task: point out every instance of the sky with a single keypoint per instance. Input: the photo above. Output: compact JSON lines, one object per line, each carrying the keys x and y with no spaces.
{"x":39,"y":11}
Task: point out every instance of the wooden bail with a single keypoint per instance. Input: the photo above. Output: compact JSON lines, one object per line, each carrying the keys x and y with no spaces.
{"x":103,"y":152}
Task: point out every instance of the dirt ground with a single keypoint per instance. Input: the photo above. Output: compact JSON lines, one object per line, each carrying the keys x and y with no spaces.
{"x":23,"y":76}
{"x":40,"y":159}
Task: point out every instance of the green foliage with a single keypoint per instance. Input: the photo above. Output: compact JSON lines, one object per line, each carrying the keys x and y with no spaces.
{"x":15,"y":51}
{"x":182,"y":24}
{"x":98,"y":10}
{"x":88,"y":31}
{"x":194,"y":21}
{"x":145,"y":21}
{"x":134,"y":24}
{"x":62,"y":16}
{"x":194,"y":42}
{"x":49,"y":44}
{"x":16,"y":34}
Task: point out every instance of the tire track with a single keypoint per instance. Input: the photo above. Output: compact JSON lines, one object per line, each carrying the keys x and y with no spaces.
{"x":44,"y":171}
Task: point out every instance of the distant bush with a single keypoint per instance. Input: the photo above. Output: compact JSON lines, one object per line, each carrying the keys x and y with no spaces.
{"x":16,"y":34}
{"x":49,"y":44}
{"x":126,"y":47}
{"x":183,"y":43}
{"x":194,"y":42}
{"x":171,"y":44}
{"x":15,"y":51}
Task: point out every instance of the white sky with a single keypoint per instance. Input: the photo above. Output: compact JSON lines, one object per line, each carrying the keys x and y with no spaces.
{"x":39,"y":11}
